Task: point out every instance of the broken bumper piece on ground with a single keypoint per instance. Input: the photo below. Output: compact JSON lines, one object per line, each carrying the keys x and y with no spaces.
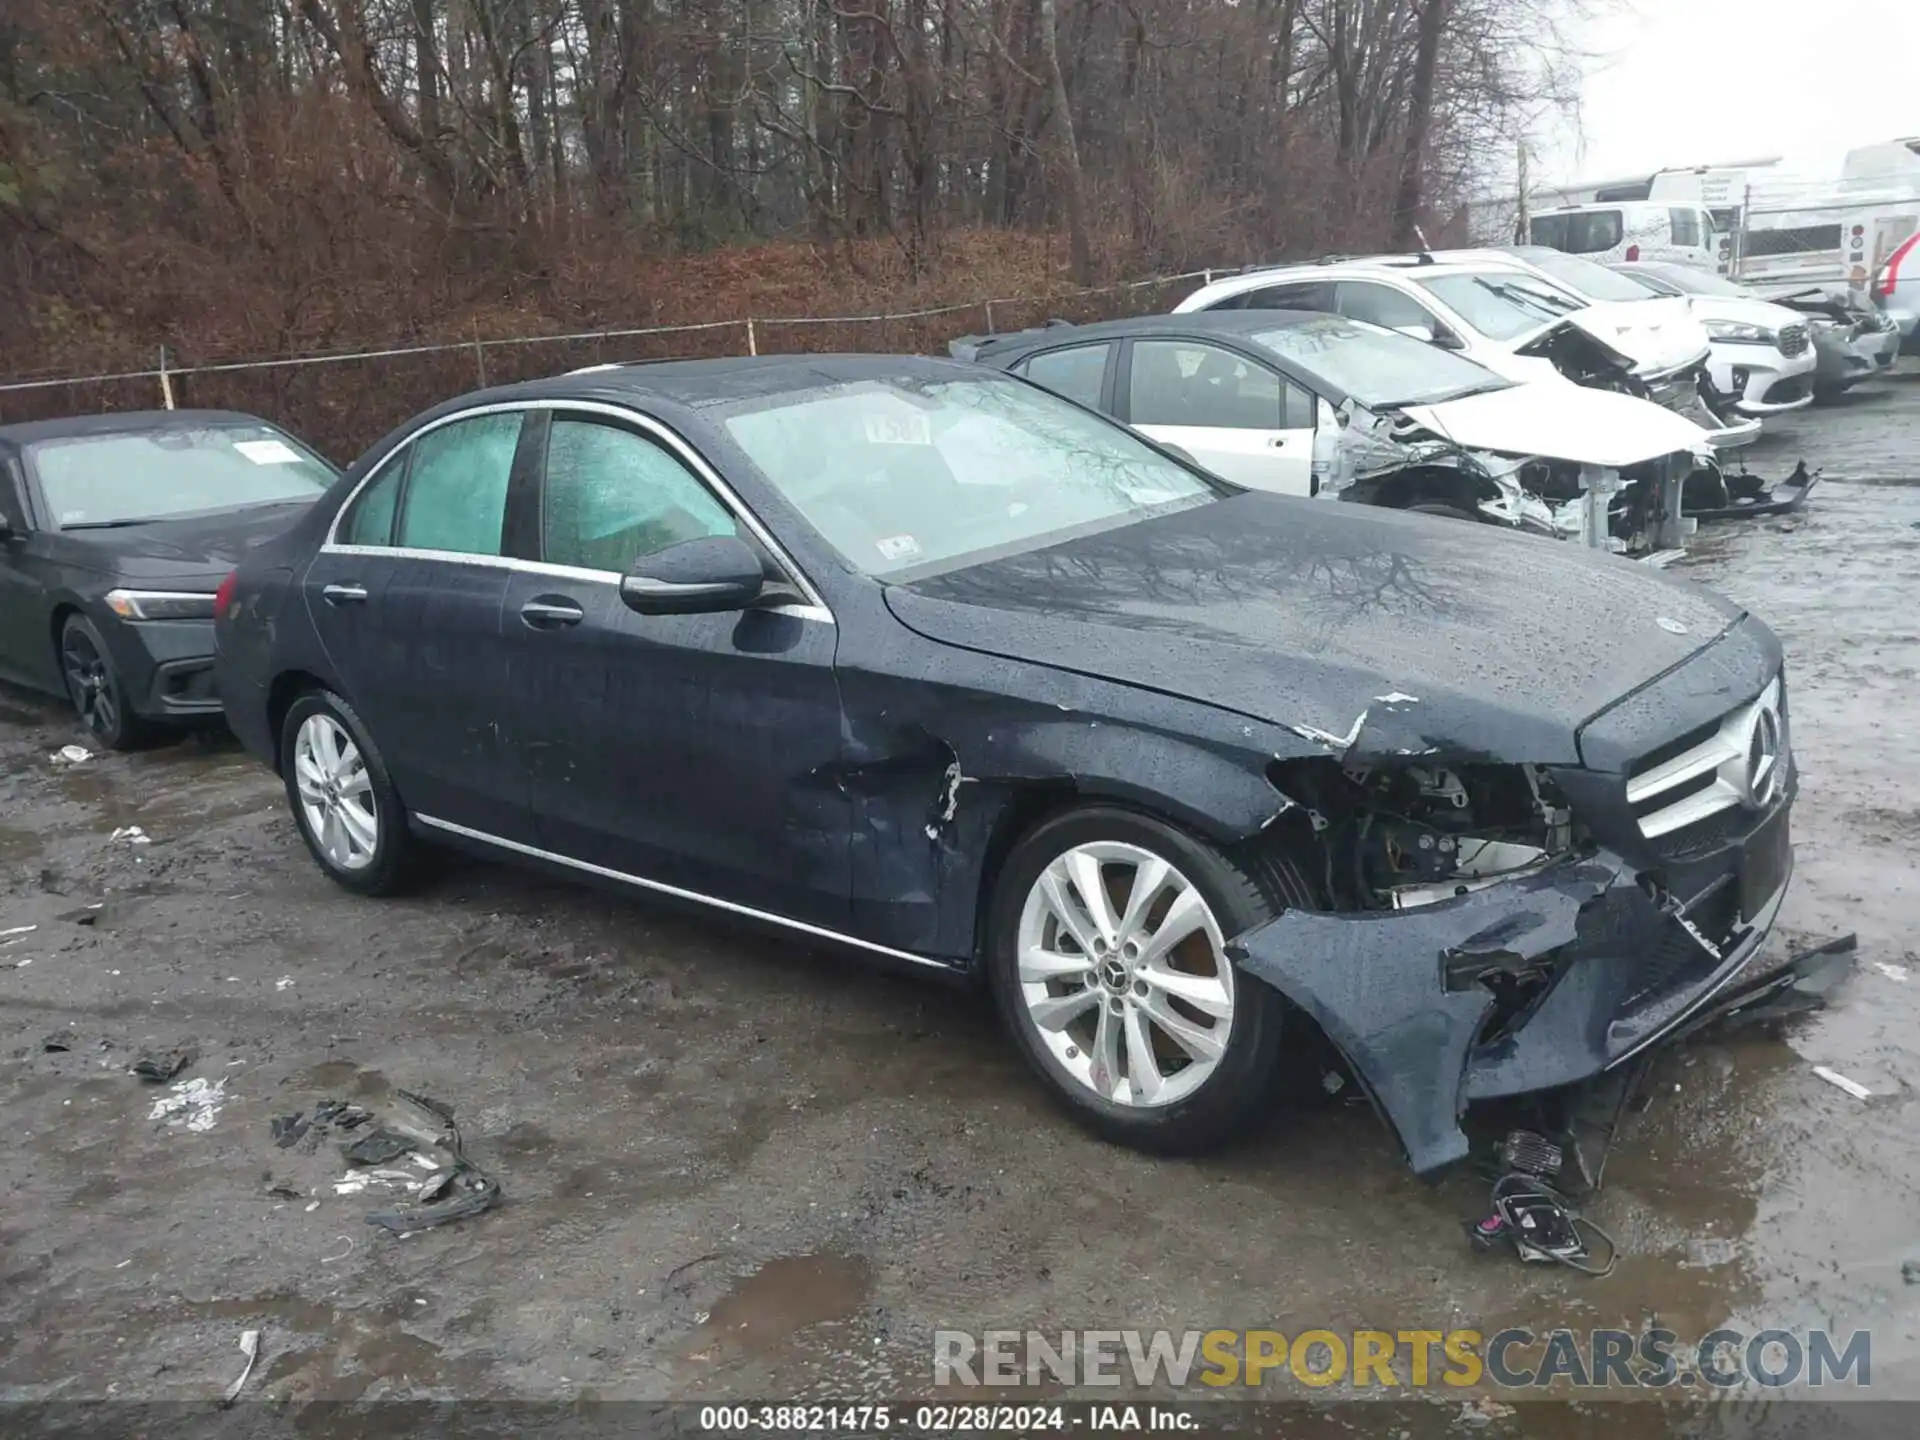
{"x":1739,"y":496}
{"x":1544,"y":981}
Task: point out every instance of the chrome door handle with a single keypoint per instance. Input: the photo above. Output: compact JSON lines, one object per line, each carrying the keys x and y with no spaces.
{"x":551,"y":612}
{"x":344,"y":594}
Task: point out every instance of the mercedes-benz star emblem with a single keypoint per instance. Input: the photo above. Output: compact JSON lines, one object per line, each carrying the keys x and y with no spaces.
{"x":1670,"y":625}
{"x":1763,"y":757}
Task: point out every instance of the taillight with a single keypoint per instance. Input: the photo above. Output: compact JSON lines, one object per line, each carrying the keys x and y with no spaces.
{"x":223,"y":597}
{"x":1633,"y":252}
{"x":1890,"y":272}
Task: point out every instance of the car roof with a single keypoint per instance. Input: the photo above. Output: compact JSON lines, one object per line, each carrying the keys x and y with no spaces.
{"x":1215,"y":322}
{"x":121,"y":422}
{"x":1372,"y":266}
{"x":696,"y":384}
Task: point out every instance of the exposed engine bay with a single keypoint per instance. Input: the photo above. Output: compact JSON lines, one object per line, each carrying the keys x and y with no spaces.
{"x":1418,"y":834}
{"x":1391,"y":459}
{"x":1400,"y":835}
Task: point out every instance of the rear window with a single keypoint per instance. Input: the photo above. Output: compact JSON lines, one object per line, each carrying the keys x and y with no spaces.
{"x":93,"y":481}
{"x":1582,"y":232}
{"x":1686,"y":227}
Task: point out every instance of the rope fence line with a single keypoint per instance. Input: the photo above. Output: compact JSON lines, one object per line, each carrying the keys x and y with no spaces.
{"x":751,"y":326}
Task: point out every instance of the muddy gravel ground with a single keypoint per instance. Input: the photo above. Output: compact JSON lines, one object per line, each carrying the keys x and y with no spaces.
{"x":734,"y":1167}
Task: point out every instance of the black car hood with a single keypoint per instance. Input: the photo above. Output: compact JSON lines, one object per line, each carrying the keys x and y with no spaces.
{"x":1358,"y":629}
{"x":195,"y":551}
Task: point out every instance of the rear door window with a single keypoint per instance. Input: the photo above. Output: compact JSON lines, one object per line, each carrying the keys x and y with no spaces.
{"x":455,"y":498}
{"x":369,"y":518}
{"x":611,"y":497}
{"x":1583,"y":232}
{"x":1686,"y":227}
{"x":1076,"y":372}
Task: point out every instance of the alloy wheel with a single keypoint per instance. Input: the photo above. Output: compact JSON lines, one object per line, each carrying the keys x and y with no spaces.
{"x":336,"y":793}
{"x":90,"y":683}
{"x":1124,"y":974}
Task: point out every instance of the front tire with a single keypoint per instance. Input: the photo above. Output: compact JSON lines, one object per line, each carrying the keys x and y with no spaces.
{"x":93,"y":685}
{"x":1106,"y":955}
{"x":342,"y":799}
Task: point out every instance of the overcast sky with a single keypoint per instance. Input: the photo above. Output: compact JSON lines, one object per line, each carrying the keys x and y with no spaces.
{"x":1701,"y":82}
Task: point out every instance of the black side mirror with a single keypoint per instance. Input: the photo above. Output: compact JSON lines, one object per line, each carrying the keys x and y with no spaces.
{"x":1447,"y":340}
{"x":695,"y":577}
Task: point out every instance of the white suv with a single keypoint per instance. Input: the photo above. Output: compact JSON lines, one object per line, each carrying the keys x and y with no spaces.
{"x":1507,"y":317}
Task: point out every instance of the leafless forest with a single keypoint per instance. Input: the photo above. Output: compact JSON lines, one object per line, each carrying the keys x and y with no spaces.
{"x":243,"y":178}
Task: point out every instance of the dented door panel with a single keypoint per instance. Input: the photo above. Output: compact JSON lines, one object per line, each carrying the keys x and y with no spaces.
{"x":691,"y":750}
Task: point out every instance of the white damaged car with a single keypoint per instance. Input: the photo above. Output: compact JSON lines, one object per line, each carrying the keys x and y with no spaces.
{"x":1308,"y":403}
{"x":1495,"y":308}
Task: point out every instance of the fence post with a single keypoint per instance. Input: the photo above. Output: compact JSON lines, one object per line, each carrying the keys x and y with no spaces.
{"x":753,"y":342}
{"x":479,"y":355}
{"x":989,"y":310}
{"x":166,"y":383}
{"x":1206,"y":277}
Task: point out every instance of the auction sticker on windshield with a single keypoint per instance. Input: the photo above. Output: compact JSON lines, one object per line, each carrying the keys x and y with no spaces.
{"x":268,"y":452}
{"x":907,"y":428}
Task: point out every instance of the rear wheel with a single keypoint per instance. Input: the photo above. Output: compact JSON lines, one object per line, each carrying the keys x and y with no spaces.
{"x":341,"y":797}
{"x":93,"y":685}
{"x":1107,"y":956}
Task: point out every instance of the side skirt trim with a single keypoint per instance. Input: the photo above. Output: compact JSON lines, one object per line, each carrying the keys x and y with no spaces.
{"x":766,"y":916}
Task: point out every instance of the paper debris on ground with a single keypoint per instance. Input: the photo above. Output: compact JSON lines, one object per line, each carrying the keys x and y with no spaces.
{"x":191,"y":1105}
{"x":1852,"y":1087}
{"x":132,"y":835}
{"x":1892,"y":972}
{"x":250,"y":1347}
{"x":18,"y":930}
{"x":72,"y":755}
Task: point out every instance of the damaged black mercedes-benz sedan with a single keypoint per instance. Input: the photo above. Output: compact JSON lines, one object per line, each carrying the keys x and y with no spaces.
{"x":920,"y":659}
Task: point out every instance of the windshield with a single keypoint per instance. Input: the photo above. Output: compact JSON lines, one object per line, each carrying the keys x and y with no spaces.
{"x":910,"y":475}
{"x":1502,"y":304}
{"x":1587,"y":277}
{"x":1377,"y":367}
{"x":89,"y":481}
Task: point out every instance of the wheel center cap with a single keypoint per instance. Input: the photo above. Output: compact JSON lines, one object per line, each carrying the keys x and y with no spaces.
{"x":1113,"y":975}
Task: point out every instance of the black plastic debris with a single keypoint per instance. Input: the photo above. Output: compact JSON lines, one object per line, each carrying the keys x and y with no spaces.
{"x":464,"y":1190}
{"x":161,"y":1066}
{"x":1910,"y":1271}
{"x":282,"y":1192}
{"x":287,"y":1129}
{"x":58,"y":1041}
{"x":379,"y":1146}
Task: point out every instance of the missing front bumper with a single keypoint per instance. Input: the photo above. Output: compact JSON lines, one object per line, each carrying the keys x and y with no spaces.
{"x":1542,"y":982}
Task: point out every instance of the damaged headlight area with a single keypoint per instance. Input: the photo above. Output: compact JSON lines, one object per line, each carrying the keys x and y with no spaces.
{"x":1393,"y":461}
{"x":1420,"y":834}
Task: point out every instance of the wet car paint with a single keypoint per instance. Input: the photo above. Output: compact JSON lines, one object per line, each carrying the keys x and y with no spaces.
{"x":737,"y":1169}
{"x":1167,"y":664}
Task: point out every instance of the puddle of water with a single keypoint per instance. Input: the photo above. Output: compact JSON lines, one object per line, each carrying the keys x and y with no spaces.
{"x":784,"y":1297}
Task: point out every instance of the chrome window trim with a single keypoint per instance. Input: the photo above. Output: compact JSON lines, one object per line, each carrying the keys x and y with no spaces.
{"x":662,"y":888}
{"x":646,"y":424}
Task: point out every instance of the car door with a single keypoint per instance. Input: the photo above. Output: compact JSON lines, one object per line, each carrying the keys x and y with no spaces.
{"x":406,"y":599}
{"x":1238,"y":418}
{"x":692,"y":751}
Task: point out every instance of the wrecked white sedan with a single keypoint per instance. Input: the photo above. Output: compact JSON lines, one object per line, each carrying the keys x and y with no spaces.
{"x":1318,"y":404}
